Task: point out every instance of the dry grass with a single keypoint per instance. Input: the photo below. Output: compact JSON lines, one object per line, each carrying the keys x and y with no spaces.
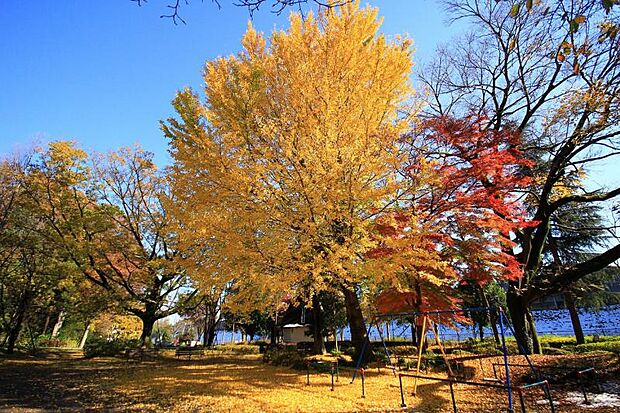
{"x":223,"y":383}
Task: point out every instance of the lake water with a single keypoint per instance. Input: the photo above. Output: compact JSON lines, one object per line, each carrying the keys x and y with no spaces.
{"x":604,"y":322}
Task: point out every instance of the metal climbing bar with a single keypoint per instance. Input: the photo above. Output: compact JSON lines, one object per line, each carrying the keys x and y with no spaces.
{"x":580,"y":375}
{"x":452,"y":381}
{"x":414,"y":313}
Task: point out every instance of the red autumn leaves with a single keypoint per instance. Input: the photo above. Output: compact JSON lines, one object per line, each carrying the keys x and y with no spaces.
{"x":465,"y":217}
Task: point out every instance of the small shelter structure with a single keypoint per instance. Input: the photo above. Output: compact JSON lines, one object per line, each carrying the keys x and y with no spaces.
{"x":296,"y":333}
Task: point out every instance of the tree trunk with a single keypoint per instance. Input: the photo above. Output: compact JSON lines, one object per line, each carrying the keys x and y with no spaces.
{"x":536,"y":347}
{"x":47,"y":320}
{"x":211,"y":335}
{"x":273,"y":339}
{"x":317,"y":327}
{"x":336,"y":340}
{"x":148,"y":321}
{"x":414,"y":333}
{"x":493,"y":322}
{"x":59,"y":322}
{"x":356,"y":322}
{"x":387,"y":330}
{"x":85,"y":335}
{"x":481,"y":331}
{"x":14,"y":331}
{"x":517,"y":307}
{"x":492,"y":315}
{"x":569,"y":299}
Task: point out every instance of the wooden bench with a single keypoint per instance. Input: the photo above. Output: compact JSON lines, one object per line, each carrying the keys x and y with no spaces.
{"x":189,"y":352}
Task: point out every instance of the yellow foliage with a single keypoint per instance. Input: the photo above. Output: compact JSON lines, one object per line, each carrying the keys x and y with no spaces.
{"x":277,"y":173}
{"x":117,"y":326}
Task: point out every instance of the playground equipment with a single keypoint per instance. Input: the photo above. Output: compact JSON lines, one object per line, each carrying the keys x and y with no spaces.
{"x":330,"y":367}
{"x":428,"y":325}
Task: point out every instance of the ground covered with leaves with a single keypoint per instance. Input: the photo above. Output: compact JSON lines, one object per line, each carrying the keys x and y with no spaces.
{"x":219,"y":382}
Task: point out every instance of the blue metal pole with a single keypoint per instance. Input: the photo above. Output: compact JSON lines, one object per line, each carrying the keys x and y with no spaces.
{"x":385,"y":349}
{"x":507,"y":371}
{"x":359,"y":360}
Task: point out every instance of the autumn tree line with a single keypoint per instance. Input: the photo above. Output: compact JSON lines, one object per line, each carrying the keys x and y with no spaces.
{"x":310,"y":172}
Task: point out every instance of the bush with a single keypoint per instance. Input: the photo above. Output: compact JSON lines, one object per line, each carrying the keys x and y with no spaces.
{"x":287,"y":356}
{"x":97,"y":346}
{"x":403,"y":350}
{"x":553,"y":351}
{"x":45,"y":341}
{"x":556,"y":341}
{"x":240,"y":348}
{"x":607,"y":346}
{"x":489,"y":347}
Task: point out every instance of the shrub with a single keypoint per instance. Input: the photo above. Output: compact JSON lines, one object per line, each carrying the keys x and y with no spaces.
{"x":607,"y":346}
{"x":403,"y":350}
{"x":44,"y":341}
{"x":556,"y":341}
{"x":284,"y":356}
{"x":553,"y":351}
{"x":240,"y":348}
{"x":97,"y":346}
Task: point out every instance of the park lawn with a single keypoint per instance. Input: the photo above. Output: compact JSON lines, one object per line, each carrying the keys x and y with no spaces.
{"x":217,"y":383}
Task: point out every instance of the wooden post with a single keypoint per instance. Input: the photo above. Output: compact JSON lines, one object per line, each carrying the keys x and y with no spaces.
{"x":443,"y":352}
{"x":420,"y":346}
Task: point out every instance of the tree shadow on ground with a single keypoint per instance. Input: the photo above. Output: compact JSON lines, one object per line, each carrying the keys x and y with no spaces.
{"x":75,"y":385}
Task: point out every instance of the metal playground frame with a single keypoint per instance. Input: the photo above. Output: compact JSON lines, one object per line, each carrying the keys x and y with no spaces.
{"x":429,"y":325}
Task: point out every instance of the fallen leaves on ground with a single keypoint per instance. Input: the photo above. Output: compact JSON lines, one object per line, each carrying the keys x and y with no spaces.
{"x":235,"y":383}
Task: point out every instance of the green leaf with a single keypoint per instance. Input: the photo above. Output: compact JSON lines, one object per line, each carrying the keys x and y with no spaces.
{"x":529,"y":4}
{"x":514,"y":10}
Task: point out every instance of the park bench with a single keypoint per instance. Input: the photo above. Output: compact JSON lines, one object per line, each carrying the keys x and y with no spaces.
{"x":189,"y":352}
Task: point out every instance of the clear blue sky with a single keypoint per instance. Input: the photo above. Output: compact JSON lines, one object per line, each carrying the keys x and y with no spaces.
{"x":103,"y":73}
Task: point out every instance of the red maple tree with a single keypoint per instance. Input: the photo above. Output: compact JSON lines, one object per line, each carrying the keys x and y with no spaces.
{"x":456,"y":229}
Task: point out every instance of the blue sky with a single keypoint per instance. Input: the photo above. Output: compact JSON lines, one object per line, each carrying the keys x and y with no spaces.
{"x":103,"y":73}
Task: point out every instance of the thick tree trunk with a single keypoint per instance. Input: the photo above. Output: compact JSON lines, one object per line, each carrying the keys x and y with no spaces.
{"x":58,"y":325}
{"x":14,"y":331}
{"x":13,"y":335}
{"x":273,"y":339}
{"x":211,"y":335}
{"x":148,"y":321}
{"x":536,"y":347}
{"x":317,"y":327}
{"x":356,"y":322}
{"x":517,"y":307}
{"x":574,"y":317}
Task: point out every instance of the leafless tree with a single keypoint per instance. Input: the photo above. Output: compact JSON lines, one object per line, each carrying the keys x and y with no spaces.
{"x":277,"y":6}
{"x":552,"y":70}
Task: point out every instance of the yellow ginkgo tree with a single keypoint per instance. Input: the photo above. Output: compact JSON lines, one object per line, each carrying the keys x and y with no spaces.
{"x":279,"y":173}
